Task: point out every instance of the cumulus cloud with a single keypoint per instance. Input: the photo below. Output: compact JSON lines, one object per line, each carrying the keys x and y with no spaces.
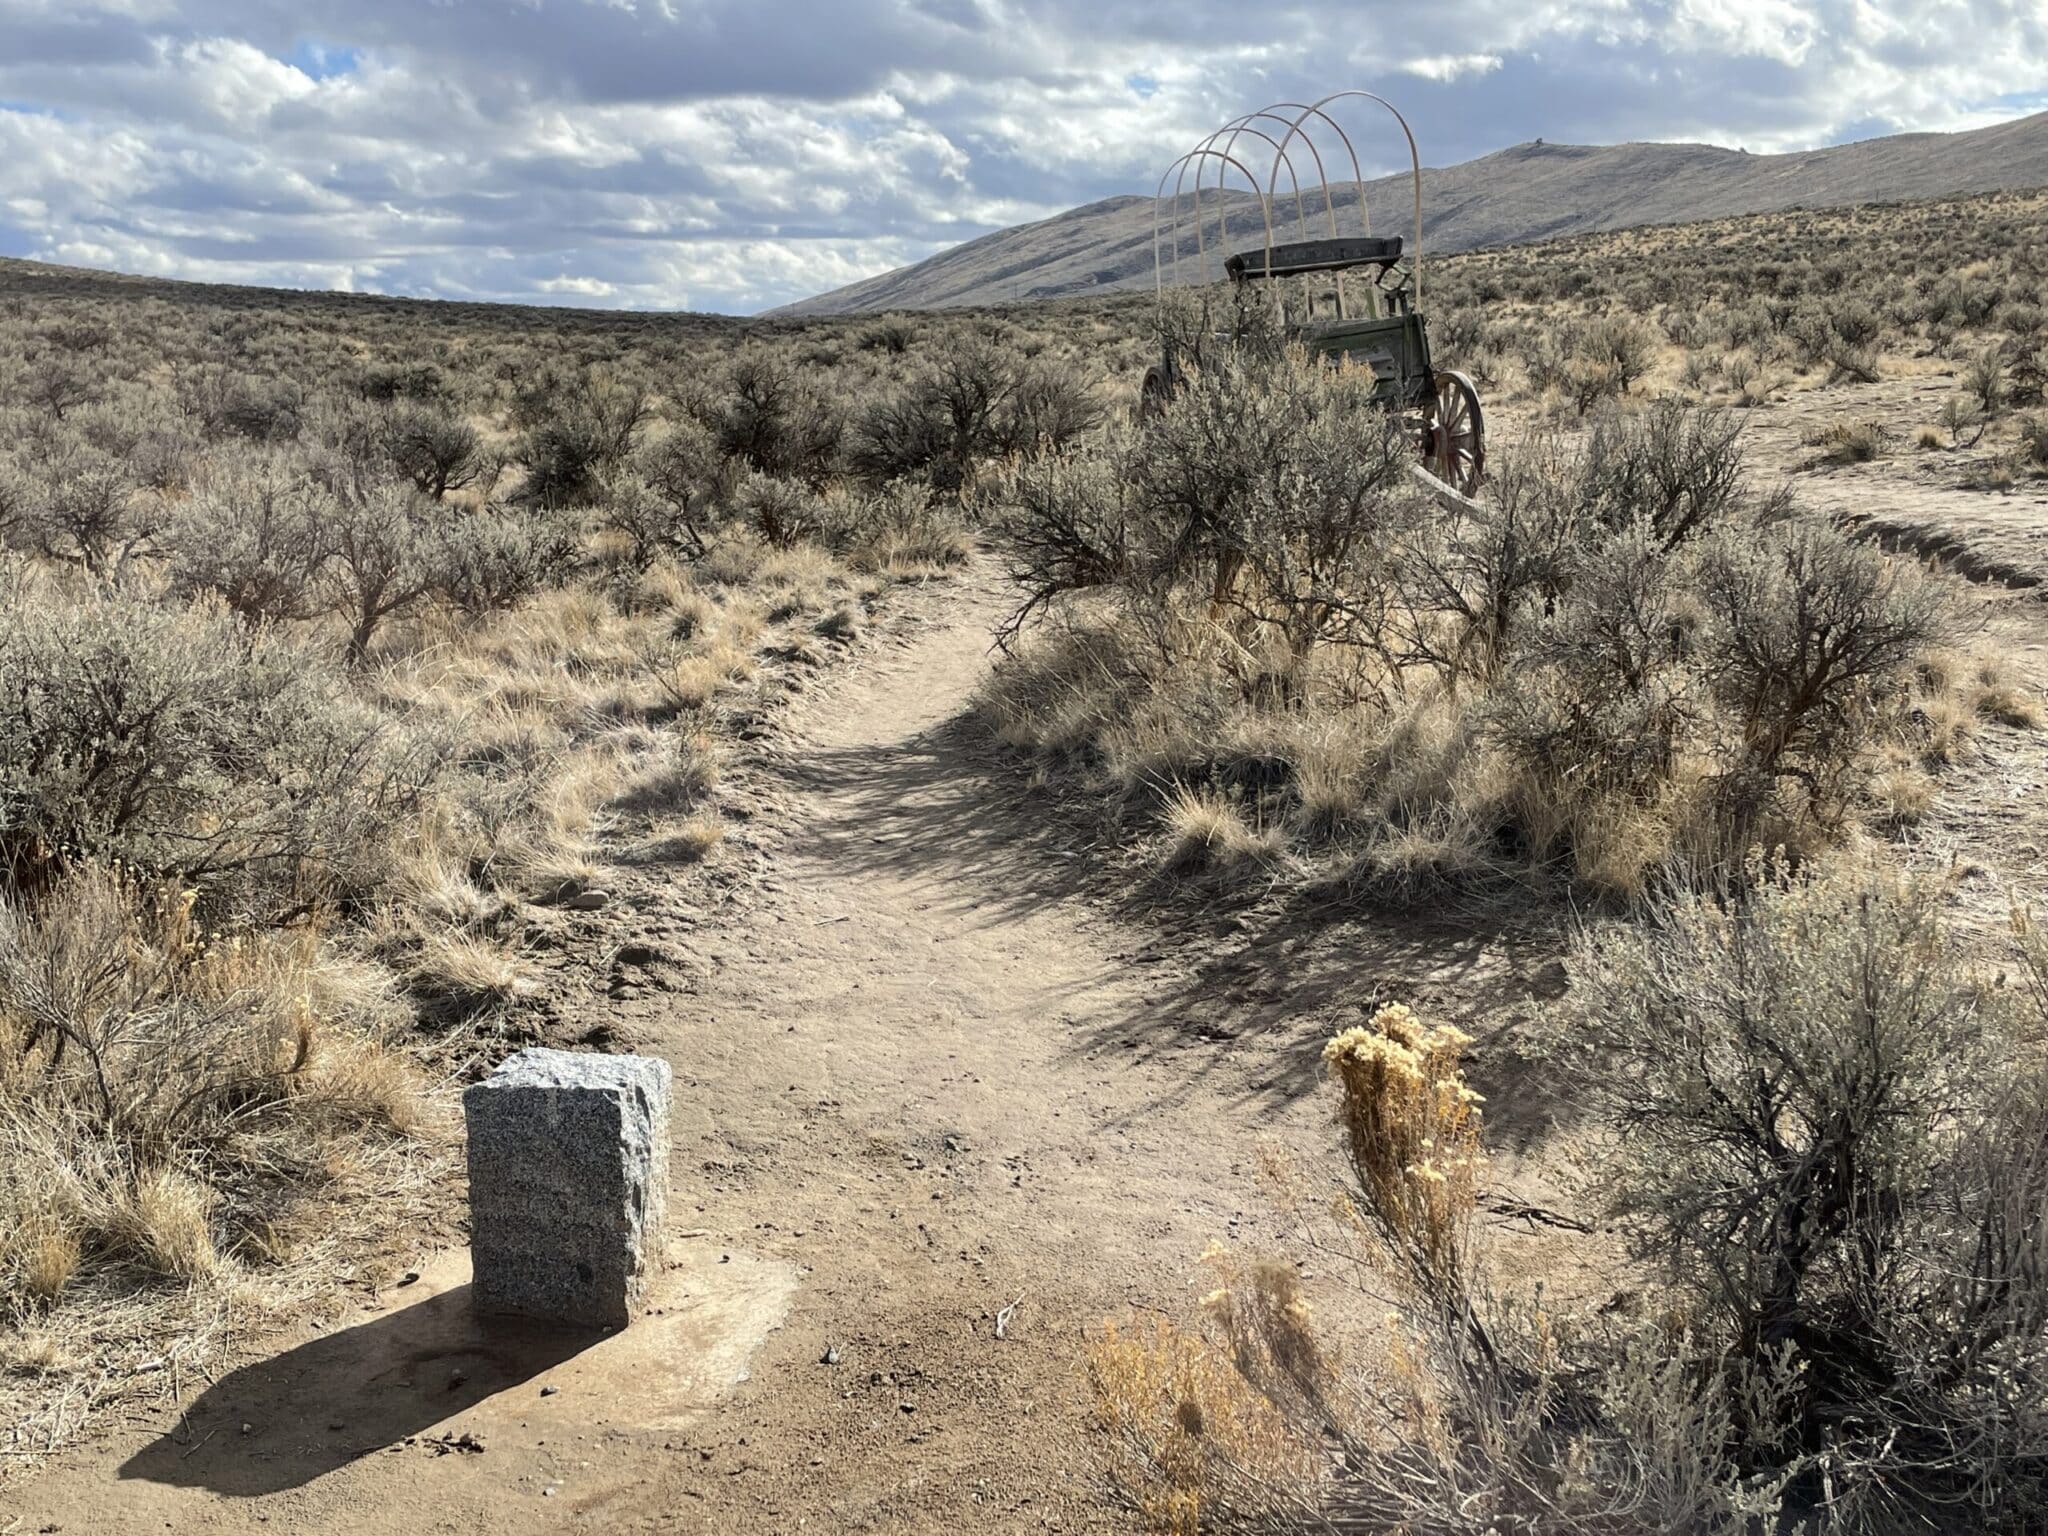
{"x":735,"y":154}
{"x":1446,"y":67}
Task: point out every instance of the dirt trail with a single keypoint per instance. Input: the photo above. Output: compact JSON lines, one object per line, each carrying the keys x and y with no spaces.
{"x":920,"y":1077}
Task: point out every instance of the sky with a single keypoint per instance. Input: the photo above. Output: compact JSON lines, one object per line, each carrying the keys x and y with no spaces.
{"x":732,"y":155}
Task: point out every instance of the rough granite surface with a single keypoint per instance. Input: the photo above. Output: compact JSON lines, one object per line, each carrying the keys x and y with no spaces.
{"x":568,"y":1184}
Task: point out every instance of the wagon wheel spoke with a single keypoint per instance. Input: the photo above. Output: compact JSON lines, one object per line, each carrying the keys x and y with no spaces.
{"x":1457,"y":438}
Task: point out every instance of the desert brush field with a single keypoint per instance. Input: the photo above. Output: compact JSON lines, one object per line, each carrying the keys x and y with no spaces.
{"x":1209,"y":989}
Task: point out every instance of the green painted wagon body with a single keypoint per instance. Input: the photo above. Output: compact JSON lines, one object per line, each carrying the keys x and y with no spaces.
{"x":1394,"y":347}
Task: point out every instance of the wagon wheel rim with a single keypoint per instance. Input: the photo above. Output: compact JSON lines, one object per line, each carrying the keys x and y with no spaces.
{"x":1457,"y":433}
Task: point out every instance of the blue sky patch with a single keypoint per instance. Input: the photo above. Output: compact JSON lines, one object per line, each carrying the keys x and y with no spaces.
{"x":324,"y":61}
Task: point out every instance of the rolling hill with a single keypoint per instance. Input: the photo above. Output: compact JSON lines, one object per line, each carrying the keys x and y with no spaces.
{"x":1525,"y":193}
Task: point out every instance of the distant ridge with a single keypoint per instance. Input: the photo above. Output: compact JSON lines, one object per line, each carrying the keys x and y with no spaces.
{"x":1529,"y":192}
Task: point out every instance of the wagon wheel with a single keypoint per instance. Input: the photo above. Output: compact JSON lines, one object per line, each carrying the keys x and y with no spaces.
{"x":1152,"y":393}
{"x":1457,"y":433}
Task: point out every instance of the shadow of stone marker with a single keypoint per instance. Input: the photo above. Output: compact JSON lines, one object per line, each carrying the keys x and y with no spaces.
{"x":568,"y":1185}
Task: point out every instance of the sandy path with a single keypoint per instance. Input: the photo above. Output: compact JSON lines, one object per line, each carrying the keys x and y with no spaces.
{"x":919,"y":1077}
{"x":918,"y":1070}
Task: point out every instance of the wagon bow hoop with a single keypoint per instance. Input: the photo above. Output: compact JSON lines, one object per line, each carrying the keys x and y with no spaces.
{"x":1301,"y":121}
{"x":1202,"y":152}
{"x":1414,"y":162}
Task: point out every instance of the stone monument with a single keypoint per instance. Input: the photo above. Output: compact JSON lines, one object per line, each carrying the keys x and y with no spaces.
{"x":568,"y":1185}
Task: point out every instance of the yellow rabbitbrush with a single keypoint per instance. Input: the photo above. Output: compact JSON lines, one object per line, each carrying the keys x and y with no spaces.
{"x":1227,"y":1426}
{"x":1413,"y":1129}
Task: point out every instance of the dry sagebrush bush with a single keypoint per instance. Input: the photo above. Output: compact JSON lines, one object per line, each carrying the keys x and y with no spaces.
{"x":1831,"y":1136}
{"x":186,"y":743}
{"x":1624,"y":660}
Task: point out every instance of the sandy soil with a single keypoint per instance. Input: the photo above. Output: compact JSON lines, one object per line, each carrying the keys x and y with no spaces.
{"x":929,"y":1075}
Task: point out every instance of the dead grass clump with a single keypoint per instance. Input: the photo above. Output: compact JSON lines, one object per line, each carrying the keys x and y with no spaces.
{"x":691,"y":683}
{"x":841,"y":624}
{"x":1074,"y":682}
{"x":1444,"y":852}
{"x":164,"y":1221}
{"x":688,"y":843}
{"x":461,"y":977}
{"x":1207,"y":833}
{"x":1903,"y":794}
{"x":678,"y":784}
{"x":1200,"y":1449}
{"x":434,"y":883}
{"x":49,"y":1256}
{"x":1850,"y":442}
{"x":690,"y":614}
{"x":365,"y":1084}
{"x":906,"y":531}
{"x":732,"y":561}
{"x":1995,"y":693}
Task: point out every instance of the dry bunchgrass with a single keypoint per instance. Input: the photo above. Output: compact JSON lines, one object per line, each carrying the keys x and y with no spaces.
{"x":432,"y":881}
{"x":1996,"y":694}
{"x":171,"y":1098}
{"x":1902,"y":793}
{"x":1845,"y":442}
{"x":913,"y":536}
{"x":1418,"y":859}
{"x":691,"y":840}
{"x":676,"y":784}
{"x":164,"y":1220}
{"x":463,"y":976}
{"x":47,"y":1253}
{"x":1207,"y":833}
{"x":1199,"y":1449}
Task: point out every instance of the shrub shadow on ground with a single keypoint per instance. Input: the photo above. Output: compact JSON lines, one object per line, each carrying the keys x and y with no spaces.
{"x":1241,"y":990}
